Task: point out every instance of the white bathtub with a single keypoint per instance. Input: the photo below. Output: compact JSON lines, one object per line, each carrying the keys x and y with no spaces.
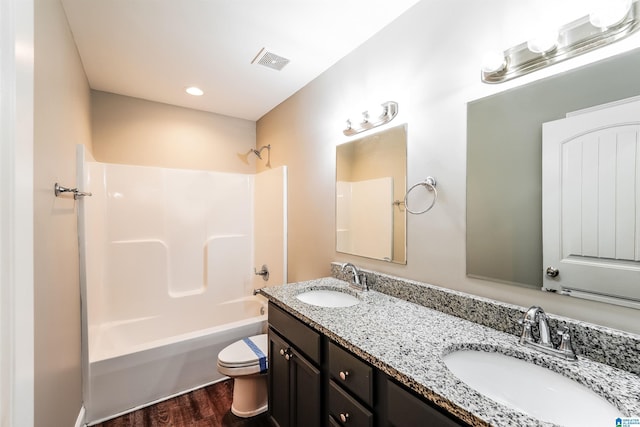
{"x":137,"y":362}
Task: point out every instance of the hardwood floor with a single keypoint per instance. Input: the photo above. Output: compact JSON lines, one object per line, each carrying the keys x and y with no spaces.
{"x":206,"y":407}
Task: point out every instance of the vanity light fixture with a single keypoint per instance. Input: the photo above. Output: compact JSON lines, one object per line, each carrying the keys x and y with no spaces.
{"x":616,"y":20}
{"x":372,"y":118}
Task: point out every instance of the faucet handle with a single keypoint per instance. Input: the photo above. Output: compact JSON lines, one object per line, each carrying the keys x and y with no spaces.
{"x":525,"y":335}
{"x":565,"y":343}
{"x":364,"y":281}
{"x":565,"y":334}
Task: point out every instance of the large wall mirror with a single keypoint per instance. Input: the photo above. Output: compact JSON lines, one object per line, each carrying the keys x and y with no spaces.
{"x":504,"y":169}
{"x":370,"y":185}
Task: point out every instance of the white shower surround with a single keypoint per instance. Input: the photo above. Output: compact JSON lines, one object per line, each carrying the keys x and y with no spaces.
{"x":169,"y":277}
{"x":362,"y":206}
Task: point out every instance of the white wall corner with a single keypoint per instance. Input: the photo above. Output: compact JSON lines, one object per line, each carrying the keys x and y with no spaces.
{"x":82,"y":417}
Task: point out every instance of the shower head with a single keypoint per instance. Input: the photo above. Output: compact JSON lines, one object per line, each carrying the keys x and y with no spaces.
{"x":258,"y":153}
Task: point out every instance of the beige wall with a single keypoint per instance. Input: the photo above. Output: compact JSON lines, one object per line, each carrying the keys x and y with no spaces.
{"x":61,"y":120}
{"x":431,"y":68}
{"x":139,"y":132}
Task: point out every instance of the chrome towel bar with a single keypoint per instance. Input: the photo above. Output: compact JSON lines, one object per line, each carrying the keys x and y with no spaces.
{"x":58,"y":190}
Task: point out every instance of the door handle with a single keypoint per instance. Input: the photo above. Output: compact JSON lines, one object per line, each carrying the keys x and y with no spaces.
{"x":552,"y":272}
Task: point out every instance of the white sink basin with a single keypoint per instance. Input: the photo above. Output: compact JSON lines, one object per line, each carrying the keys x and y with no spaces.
{"x":534,"y":390}
{"x":328,"y":298}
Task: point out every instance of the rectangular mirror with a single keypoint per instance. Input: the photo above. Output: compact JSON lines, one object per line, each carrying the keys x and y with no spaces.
{"x":504,"y":163}
{"x":371,"y":181}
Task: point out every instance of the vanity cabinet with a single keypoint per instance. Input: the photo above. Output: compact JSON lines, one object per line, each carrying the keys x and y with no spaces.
{"x":315,"y":382}
{"x":294,"y":375}
{"x":345,"y":410}
{"x":350,"y":389}
{"x":404,"y":409}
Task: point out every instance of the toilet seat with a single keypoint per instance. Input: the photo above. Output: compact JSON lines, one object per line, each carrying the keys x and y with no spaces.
{"x":244,"y":357}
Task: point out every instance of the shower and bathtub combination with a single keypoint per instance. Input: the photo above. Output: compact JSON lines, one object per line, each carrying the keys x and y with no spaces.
{"x":167,"y":275}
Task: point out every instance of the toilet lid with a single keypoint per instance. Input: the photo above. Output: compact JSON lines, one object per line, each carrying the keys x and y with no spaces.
{"x":246,"y":352}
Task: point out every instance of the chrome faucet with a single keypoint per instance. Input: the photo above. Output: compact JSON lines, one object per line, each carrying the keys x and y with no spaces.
{"x":359,"y":279}
{"x":532,"y":316}
{"x":536,"y":316}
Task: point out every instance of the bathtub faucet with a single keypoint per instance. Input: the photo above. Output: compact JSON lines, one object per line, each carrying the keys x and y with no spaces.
{"x":359,"y":279}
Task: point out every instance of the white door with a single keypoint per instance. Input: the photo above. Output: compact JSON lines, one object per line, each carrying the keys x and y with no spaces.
{"x":591,"y":203}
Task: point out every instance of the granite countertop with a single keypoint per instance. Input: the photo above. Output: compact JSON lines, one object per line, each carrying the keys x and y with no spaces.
{"x":407,"y":342}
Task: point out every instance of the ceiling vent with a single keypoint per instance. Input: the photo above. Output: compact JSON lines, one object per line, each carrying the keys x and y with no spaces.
{"x":270,"y":59}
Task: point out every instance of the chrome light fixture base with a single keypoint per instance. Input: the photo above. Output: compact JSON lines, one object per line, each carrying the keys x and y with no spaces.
{"x":575,"y":38}
{"x":389,"y":111}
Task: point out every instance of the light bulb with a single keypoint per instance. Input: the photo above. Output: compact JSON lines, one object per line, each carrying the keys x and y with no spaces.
{"x":377,"y":113}
{"x":493,"y":61}
{"x":605,"y":14}
{"x":355,"y":120}
{"x":544,"y":42}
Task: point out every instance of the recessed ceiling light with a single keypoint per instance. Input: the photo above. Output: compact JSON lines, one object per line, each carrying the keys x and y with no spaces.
{"x":195,"y":91}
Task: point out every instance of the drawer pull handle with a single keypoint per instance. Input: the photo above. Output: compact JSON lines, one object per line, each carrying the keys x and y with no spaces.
{"x":344,"y":417}
{"x":344,"y":375}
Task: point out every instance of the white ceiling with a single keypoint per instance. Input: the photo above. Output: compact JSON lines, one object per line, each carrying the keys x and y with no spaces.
{"x":154,"y":49}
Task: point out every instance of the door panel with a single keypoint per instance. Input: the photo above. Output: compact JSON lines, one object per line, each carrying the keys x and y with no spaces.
{"x":279,"y":381}
{"x":591,"y":202}
{"x":306,"y":388}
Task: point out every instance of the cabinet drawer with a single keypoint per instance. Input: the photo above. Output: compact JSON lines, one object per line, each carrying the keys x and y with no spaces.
{"x":298,"y":334}
{"x":346,"y":410}
{"x":351,"y":373}
{"x":407,"y":410}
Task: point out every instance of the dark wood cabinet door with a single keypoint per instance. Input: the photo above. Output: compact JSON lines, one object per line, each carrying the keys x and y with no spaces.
{"x":407,"y":410}
{"x":306,"y":389}
{"x":279,"y":382}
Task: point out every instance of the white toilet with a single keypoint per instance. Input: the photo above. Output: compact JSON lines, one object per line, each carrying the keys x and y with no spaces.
{"x":246,"y":362}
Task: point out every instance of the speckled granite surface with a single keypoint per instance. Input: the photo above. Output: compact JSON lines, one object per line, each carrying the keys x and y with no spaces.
{"x":605,"y":345}
{"x":407,"y":341}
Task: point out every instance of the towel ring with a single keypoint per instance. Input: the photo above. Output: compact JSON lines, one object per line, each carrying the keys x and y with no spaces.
{"x":430,"y":183}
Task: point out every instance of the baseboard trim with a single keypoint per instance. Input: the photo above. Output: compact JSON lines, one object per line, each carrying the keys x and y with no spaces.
{"x":81,"y":421}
